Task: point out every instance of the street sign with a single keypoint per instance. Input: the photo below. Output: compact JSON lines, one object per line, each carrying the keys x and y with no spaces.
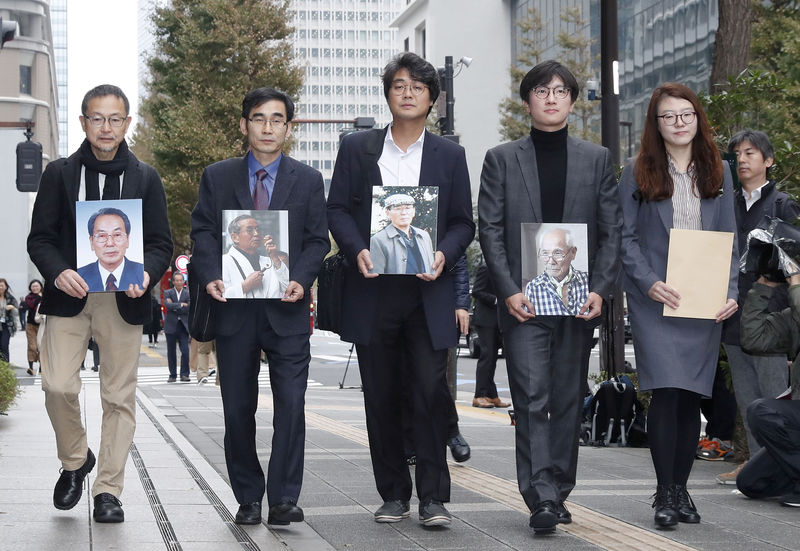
{"x":181,"y":262}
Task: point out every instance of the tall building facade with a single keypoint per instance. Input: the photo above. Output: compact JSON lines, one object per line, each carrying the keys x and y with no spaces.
{"x":58,"y":20}
{"x":342,"y":47}
{"x":28,"y":92}
{"x":435,"y":29}
{"x":659,"y":41}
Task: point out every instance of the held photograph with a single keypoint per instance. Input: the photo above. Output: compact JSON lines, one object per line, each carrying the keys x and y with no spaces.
{"x":255,"y":253}
{"x":110,"y":250}
{"x":403,"y":229}
{"x":555,"y":267}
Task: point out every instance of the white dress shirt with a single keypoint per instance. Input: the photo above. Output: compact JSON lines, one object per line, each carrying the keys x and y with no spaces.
{"x":751,"y":198}
{"x":398,"y":167}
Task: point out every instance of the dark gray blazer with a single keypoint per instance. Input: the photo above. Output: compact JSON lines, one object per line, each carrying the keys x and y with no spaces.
{"x":670,"y":352}
{"x":510,"y":195}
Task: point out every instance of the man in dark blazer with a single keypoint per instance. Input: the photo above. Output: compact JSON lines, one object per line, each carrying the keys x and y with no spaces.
{"x":114,"y":319}
{"x":263,"y":179}
{"x":176,"y":327}
{"x":547,"y":177}
{"x":109,"y":238}
{"x":394,"y":318}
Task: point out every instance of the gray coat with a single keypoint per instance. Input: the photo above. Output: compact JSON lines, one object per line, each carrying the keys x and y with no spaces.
{"x":388,"y":252}
{"x":510,"y":195}
{"x":670,"y":352}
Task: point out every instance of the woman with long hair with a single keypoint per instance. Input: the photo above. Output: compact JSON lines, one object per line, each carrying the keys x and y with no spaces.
{"x":8,"y":310}
{"x":31,"y":302}
{"x":677,"y":181}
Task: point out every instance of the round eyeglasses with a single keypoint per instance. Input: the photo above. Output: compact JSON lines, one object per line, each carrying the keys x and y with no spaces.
{"x":671,"y":119}
{"x":543,"y":92}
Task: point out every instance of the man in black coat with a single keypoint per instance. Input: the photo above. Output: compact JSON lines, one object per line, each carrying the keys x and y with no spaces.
{"x":403,"y":322}
{"x":73,"y":315}
{"x":263,"y":179}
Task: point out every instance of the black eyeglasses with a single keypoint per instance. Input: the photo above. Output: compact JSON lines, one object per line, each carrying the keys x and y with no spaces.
{"x":98,"y":120}
{"x":671,"y":119}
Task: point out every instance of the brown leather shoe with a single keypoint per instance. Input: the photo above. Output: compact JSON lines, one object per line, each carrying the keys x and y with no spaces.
{"x":482,"y":402}
{"x":496,"y":402}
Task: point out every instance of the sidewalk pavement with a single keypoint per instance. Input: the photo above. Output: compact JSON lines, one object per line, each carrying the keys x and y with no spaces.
{"x":176,"y":495}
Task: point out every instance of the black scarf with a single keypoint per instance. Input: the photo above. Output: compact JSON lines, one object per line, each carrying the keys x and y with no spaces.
{"x":112,"y":169}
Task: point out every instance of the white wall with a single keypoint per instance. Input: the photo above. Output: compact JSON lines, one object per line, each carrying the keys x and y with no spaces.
{"x":480,"y":29}
{"x":16,"y":209}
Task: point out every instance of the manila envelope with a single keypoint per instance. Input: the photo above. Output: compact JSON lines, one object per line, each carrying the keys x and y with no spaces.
{"x":698,"y":267}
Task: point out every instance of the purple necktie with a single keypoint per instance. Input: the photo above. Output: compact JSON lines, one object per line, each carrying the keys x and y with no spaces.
{"x":261,"y":195}
{"x":111,"y":283}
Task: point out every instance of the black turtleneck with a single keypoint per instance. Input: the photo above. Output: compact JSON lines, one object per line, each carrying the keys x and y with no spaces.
{"x":551,"y":162}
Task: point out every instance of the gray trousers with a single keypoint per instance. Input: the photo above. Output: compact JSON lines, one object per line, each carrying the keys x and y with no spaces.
{"x":547,"y":362}
{"x":755,"y":377}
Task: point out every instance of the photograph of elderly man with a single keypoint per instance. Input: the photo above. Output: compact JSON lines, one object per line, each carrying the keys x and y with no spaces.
{"x":561,"y":287}
{"x":398,"y":247}
{"x":247,"y":273}
{"x":109,"y":239}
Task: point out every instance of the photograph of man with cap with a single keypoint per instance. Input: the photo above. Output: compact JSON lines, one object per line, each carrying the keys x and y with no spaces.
{"x":400,"y":248}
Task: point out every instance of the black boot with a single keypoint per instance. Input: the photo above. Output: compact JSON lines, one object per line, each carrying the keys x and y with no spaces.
{"x":664,"y":504}
{"x":687,"y":512}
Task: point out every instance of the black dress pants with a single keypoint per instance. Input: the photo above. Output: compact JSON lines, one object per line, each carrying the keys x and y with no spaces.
{"x":180,"y":338}
{"x":401,"y":353}
{"x":239,"y":357}
{"x":775,"y":469}
{"x":489,"y":338}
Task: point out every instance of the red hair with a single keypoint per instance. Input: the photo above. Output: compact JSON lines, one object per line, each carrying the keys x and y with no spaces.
{"x":652,"y":171}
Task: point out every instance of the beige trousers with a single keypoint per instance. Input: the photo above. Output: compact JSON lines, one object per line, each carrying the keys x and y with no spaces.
{"x":205,"y":352}
{"x":63,"y":349}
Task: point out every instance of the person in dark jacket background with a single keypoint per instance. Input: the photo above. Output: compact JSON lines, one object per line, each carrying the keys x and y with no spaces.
{"x":484,"y":319}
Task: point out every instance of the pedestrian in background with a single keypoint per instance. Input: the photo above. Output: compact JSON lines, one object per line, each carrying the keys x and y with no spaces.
{"x":677,"y":181}
{"x":484,"y":318}
{"x":31,"y":302}
{"x":8,"y":325}
{"x":176,"y":327}
{"x":153,"y":327}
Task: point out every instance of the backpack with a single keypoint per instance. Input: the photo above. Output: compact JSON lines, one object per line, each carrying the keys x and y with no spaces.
{"x":611,"y":413}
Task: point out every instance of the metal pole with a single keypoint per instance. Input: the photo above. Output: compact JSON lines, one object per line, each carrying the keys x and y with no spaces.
{"x":612,"y":349}
{"x":609,"y":54}
{"x":449,"y":128}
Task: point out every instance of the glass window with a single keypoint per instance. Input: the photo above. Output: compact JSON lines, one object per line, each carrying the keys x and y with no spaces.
{"x":25,"y":79}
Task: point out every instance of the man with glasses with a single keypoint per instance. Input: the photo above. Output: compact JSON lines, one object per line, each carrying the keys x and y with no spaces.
{"x":247,"y":274}
{"x":109,"y":238}
{"x":103,"y":162}
{"x":548,"y":177}
{"x":402,"y":326}
{"x":560,"y":290}
{"x":247,"y":321}
{"x":400,"y":248}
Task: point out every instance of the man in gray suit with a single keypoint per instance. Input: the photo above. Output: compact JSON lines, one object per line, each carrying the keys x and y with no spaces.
{"x":552,"y":177}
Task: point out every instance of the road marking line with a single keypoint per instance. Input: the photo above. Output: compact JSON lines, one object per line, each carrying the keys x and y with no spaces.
{"x":601,"y":530}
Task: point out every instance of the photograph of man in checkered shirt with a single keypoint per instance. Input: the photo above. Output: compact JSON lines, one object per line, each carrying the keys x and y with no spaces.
{"x":560,"y":289}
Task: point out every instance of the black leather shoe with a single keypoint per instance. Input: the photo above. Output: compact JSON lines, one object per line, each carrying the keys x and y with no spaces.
{"x":284,"y":512}
{"x":107,"y":508}
{"x":687,"y":512}
{"x":69,"y":488}
{"x":249,"y":513}
{"x":664,"y":504}
{"x":459,"y":448}
{"x":562,"y":513}
{"x":544,"y":518}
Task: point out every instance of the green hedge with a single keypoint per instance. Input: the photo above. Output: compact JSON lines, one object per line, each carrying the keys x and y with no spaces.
{"x":9,"y":386}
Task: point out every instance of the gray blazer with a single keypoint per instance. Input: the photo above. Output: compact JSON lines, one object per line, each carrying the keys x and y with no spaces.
{"x":510,"y":195}
{"x":670,"y":352}
{"x":388,"y":252}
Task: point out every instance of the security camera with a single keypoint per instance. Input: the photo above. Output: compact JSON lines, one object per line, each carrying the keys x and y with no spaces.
{"x":467,"y":61}
{"x":592,"y":85}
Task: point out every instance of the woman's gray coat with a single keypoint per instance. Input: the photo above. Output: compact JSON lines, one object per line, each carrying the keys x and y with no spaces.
{"x":670,"y":352}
